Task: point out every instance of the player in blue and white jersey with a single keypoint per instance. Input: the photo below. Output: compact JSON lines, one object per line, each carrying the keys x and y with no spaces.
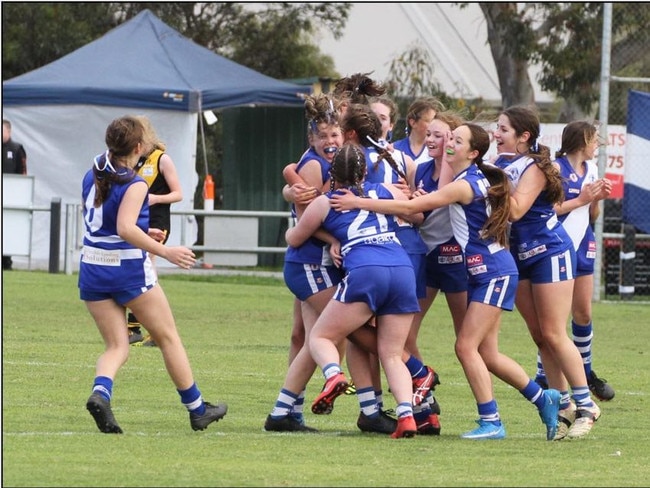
{"x":379,"y":281}
{"x":403,"y":176}
{"x":583,"y":190}
{"x":445,"y":260}
{"x":365,"y":373}
{"x":309,"y":271}
{"x":479,"y":209}
{"x":363,"y":126}
{"x":546,"y":260}
{"x":115,"y":272}
{"x":420,"y":114}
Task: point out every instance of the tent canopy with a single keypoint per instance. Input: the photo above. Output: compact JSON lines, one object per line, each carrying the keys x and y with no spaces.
{"x":144,"y":63}
{"x":143,"y":67}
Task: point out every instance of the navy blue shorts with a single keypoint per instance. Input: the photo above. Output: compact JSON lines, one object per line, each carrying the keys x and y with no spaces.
{"x":446,"y":269}
{"x":121,"y":297}
{"x":586,"y":257}
{"x":550,"y":269}
{"x":498,"y":292}
{"x":305,"y":280}
{"x":386,"y":289}
{"x":420,"y":268}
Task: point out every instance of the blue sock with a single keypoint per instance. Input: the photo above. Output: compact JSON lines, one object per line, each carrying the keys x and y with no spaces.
{"x":331,"y":369}
{"x":565,"y":399}
{"x":541,"y":374}
{"x":416,"y":367}
{"x":298,"y":407}
{"x":534,"y":394}
{"x":581,"y":396}
{"x":284,"y":404}
{"x":192,"y":399}
{"x":582,"y":337}
{"x":379,"y":395}
{"x":104,"y":386}
{"x":421,"y":412}
{"x":404,"y":410}
{"x":489,"y":412}
{"x":368,"y":402}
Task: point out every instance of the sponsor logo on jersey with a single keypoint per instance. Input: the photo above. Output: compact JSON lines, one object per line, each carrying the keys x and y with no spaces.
{"x":450,"y":259}
{"x":476,"y":270}
{"x":448,"y":249}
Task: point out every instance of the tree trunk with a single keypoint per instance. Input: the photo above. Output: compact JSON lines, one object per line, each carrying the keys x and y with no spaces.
{"x":515,"y":84}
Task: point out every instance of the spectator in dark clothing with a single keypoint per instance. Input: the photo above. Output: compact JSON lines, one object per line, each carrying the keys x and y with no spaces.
{"x":14,"y":160}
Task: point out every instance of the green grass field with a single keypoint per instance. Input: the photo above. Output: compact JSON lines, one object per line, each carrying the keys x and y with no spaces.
{"x":236,"y":331}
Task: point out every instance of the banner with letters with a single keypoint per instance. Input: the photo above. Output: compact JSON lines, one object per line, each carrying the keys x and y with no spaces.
{"x":551,"y":136}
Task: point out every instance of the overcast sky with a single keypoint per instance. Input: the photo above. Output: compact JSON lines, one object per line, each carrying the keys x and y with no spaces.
{"x":377,"y":33}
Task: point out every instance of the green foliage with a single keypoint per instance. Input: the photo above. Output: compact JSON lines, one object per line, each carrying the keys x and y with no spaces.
{"x":35,"y":34}
{"x":566,"y":39}
{"x":272,"y":38}
{"x":412,"y":76}
{"x":273,"y":44}
{"x":237,"y":336}
{"x":571,"y":53}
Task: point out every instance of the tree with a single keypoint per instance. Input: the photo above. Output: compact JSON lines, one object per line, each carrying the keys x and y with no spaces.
{"x":566,"y":40}
{"x":511,"y":41}
{"x":412,"y":75}
{"x":272,"y":38}
{"x":570,"y":51}
{"x":35,"y":34}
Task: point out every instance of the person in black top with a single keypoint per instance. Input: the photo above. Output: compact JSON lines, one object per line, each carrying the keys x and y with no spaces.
{"x":14,"y":160}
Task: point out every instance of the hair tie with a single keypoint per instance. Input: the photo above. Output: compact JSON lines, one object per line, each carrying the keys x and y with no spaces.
{"x":535,"y":147}
{"x":378,"y":144}
{"x":108,"y":167}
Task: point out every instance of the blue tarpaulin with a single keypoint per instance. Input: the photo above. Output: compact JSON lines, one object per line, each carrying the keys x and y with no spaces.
{"x":636,"y":204}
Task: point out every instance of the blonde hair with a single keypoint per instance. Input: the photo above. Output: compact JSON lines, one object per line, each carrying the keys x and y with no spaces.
{"x":150,"y":137}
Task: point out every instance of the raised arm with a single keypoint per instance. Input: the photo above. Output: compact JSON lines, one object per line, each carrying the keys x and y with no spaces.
{"x":309,"y":222}
{"x":452,"y":193}
{"x":127,"y":229}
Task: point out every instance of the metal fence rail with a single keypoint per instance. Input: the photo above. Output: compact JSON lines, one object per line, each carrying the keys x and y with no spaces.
{"x":625,"y":275}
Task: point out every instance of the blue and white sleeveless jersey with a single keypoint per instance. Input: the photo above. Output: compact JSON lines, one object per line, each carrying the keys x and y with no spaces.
{"x":108,"y":263}
{"x":367,"y":238}
{"x":539,"y":233}
{"x":383,"y":172}
{"x":576,"y":222}
{"x":436,"y":228}
{"x":405,"y":146}
{"x":313,"y":250}
{"x":504,"y":161}
{"x":485,"y":258}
